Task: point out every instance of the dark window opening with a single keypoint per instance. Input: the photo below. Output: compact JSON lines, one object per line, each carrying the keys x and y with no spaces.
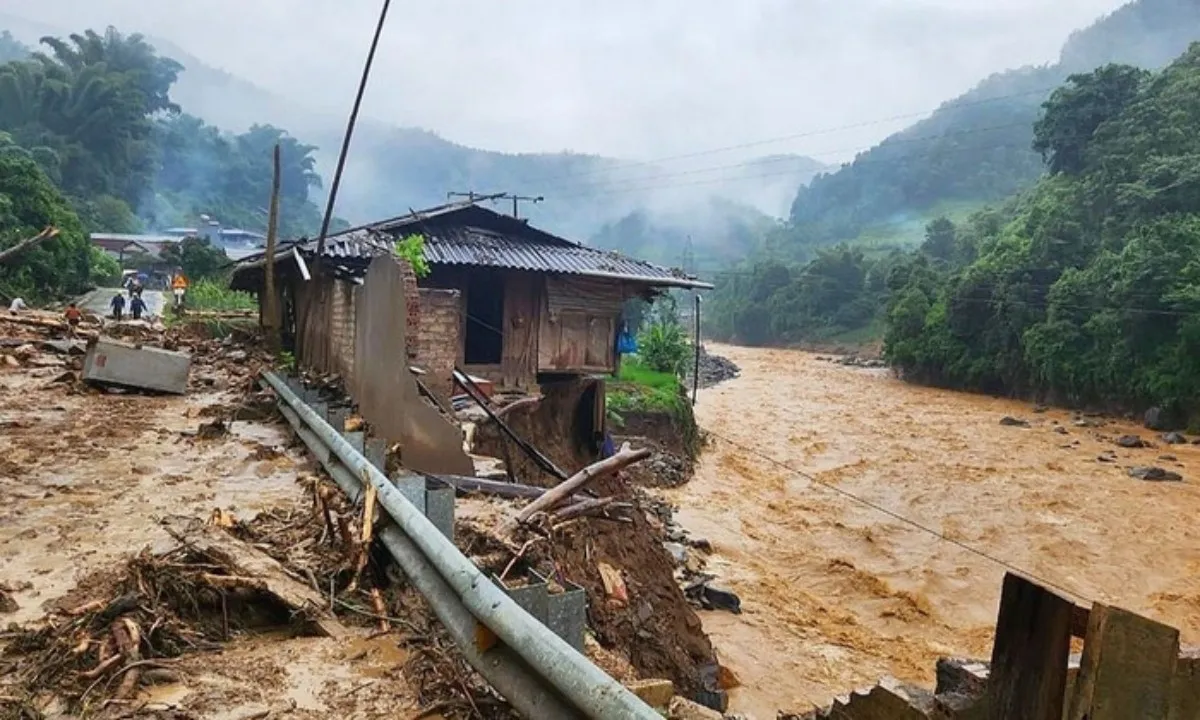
{"x":484,"y":343}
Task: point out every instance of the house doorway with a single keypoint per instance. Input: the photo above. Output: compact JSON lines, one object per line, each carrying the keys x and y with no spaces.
{"x":484,"y":341}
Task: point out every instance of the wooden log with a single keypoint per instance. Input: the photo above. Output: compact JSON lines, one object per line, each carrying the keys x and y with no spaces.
{"x":556,"y":495}
{"x":1028,"y":678}
{"x":1127,"y":668}
{"x":244,"y":561}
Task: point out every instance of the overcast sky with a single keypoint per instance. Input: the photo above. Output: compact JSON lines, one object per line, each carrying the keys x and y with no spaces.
{"x":628,"y":78}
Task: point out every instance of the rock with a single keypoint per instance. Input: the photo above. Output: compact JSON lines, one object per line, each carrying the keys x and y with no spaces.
{"x":1039,"y":408}
{"x":1168,"y":458}
{"x":701,"y":544}
{"x":678,"y":552}
{"x":1155,"y":419}
{"x":1131,"y":441}
{"x":1009,"y":421}
{"x":12,"y":362}
{"x":1083,"y":423}
{"x":1106,"y":459}
{"x":7,"y":603}
{"x":25,"y":351}
{"x":684,"y":709}
{"x":718,"y":598}
{"x":655,"y":693}
{"x":1154,"y":474}
{"x":1174,"y":438}
{"x":237,"y":355}
{"x":1062,"y":430}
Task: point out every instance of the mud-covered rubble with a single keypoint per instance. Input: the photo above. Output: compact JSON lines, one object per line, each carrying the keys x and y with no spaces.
{"x":702,"y":589}
{"x":714,"y":369}
{"x":855,"y":360}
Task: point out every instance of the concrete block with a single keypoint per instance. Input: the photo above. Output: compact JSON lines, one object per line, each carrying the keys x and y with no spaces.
{"x":112,"y":362}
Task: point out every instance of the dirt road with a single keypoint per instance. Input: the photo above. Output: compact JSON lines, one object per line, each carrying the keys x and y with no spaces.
{"x":837,"y":594}
{"x":98,"y":301}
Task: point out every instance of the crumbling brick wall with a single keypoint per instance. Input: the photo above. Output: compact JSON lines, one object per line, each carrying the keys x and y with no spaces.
{"x":439,"y":339}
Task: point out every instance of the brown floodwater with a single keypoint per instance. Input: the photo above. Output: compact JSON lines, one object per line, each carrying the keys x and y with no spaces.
{"x":837,"y":594}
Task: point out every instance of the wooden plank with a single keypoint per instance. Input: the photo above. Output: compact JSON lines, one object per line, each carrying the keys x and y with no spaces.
{"x":1127,"y":669}
{"x":1028,"y":677}
{"x":522,"y":293}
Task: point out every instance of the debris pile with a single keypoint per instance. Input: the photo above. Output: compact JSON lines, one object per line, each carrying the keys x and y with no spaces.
{"x":635,"y":604}
{"x":855,"y":360}
{"x":713,"y":369}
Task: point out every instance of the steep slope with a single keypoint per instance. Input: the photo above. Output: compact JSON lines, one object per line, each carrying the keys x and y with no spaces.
{"x":977,"y":147}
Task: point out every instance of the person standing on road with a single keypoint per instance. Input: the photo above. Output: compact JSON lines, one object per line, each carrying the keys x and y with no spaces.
{"x":118,"y":306}
{"x":179,"y":285}
{"x":137,"y":306}
{"x":73,"y":317}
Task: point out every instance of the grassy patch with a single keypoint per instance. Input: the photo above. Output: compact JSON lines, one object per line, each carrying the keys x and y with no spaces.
{"x":637,"y":388}
{"x":216,"y":296}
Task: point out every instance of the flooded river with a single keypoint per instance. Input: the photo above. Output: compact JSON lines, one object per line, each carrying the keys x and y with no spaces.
{"x":837,"y":593}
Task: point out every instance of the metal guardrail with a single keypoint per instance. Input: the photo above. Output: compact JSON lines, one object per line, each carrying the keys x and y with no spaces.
{"x":537,"y":671}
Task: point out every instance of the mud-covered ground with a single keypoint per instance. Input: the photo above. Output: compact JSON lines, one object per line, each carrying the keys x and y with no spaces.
{"x":87,"y":476}
{"x":836,"y":594}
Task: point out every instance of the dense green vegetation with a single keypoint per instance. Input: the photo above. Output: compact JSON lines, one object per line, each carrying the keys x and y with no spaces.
{"x":93,"y":115}
{"x":29,"y":202}
{"x":1085,"y":289}
{"x":977,"y":148}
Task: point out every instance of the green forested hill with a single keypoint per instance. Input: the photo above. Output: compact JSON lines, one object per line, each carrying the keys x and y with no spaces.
{"x":978,"y":147}
{"x":1086,"y":288}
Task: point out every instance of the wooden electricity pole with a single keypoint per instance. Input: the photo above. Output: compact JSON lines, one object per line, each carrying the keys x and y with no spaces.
{"x":270,"y":300}
{"x":341,"y":163}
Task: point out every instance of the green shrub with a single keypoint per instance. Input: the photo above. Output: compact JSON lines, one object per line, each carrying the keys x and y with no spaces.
{"x":412,"y":249}
{"x":216,"y":296}
{"x":664,"y":347}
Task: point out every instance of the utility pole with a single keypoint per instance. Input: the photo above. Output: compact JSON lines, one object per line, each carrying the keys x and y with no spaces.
{"x":270,"y":302}
{"x":341,"y":164}
{"x":518,"y":198}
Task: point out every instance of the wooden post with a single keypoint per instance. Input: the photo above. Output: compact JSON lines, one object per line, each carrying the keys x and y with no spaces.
{"x":1028,"y":678}
{"x":696,"y":362}
{"x":1127,"y":668}
{"x":270,"y":300}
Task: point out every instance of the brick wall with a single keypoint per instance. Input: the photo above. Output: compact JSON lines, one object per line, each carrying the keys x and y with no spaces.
{"x":439,"y":339}
{"x":341,"y":329}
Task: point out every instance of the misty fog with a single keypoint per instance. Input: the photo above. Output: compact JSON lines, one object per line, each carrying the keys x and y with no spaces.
{"x":620,"y":78}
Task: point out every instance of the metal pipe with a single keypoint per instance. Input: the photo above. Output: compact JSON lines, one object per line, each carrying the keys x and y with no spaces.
{"x":586,"y":686}
{"x":504,"y":669}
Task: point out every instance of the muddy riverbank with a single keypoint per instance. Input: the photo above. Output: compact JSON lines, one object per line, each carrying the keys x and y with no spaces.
{"x":837,"y":594}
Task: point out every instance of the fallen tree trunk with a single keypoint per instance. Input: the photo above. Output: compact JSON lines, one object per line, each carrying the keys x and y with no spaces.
{"x":247,"y":566}
{"x":27,"y":243}
{"x":556,"y":495}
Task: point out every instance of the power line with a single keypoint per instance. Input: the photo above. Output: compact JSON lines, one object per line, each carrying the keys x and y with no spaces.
{"x":794,"y":136}
{"x":901,"y":518}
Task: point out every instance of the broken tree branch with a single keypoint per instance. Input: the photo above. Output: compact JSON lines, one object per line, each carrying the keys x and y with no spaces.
{"x":27,"y":243}
{"x":579,"y":509}
{"x":624,"y":458}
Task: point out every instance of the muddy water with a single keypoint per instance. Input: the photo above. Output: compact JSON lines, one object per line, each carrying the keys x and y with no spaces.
{"x":837,"y":594}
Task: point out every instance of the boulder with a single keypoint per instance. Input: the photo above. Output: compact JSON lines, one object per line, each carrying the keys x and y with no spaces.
{"x":1154,"y":474}
{"x":1174,"y":438}
{"x":1009,"y":421}
{"x":1155,"y":419}
{"x":1131,"y":441}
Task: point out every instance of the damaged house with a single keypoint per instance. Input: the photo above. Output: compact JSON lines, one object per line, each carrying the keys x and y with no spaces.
{"x":502,"y":300}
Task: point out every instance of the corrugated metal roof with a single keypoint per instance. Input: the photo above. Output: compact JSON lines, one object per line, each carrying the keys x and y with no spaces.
{"x":476,"y":236}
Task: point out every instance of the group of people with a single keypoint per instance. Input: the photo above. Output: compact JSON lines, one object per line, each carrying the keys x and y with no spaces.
{"x":137,"y":306}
